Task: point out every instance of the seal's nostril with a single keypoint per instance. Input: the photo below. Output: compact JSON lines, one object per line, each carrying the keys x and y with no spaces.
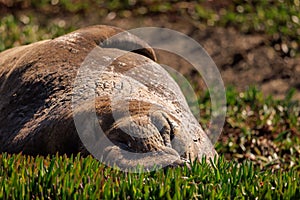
{"x":159,"y":120}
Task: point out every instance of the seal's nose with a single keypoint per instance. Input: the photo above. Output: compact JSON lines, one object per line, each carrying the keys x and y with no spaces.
{"x":204,"y":147}
{"x":192,"y":143}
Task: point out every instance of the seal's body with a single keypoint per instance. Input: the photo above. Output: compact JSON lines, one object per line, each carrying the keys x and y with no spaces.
{"x":41,"y":94}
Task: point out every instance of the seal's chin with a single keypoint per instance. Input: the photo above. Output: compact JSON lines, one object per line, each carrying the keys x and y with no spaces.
{"x":165,"y":157}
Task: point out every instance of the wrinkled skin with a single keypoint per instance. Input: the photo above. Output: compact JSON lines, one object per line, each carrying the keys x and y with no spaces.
{"x":37,"y":84}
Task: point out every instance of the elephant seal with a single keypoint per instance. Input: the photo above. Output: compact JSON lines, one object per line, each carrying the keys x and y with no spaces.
{"x":39,"y":107}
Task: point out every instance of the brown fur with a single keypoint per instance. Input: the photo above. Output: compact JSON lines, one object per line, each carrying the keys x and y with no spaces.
{"x":35,"y":101}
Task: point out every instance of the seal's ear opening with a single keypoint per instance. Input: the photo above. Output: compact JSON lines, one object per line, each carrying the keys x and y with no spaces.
{"x":128,"y":42}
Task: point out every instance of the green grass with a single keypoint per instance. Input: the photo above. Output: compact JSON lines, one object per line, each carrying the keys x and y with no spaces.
{"x":16,"y":31}
{"x":57,"y":177}
{"x":262,"y":129}
{"x":271,"y":172}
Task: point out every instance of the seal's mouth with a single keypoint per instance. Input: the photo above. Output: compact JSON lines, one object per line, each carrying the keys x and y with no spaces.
{"x":155,"y":133}
{"x":142,"y":133}
{"x":144,"y":140}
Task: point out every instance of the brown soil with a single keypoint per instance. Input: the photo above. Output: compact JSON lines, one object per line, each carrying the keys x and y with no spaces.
{"x":243,"y":60}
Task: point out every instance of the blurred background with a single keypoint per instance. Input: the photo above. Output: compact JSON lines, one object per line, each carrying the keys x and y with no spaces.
{"x":254,"y":43}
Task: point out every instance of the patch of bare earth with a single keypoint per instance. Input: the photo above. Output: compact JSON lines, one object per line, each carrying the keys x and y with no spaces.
{"x":243,"y":60}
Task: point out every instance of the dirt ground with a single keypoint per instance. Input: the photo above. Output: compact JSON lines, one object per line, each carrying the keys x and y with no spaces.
{"x":243,"y":60}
